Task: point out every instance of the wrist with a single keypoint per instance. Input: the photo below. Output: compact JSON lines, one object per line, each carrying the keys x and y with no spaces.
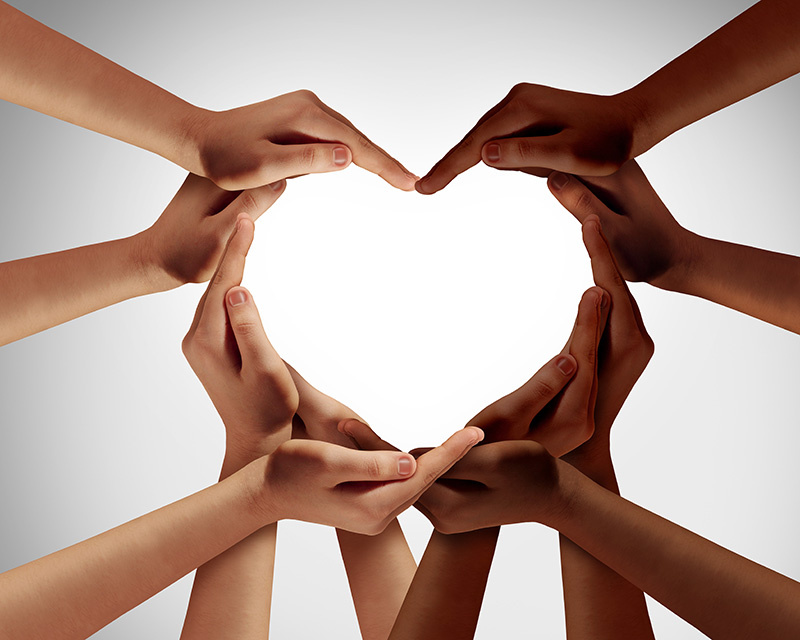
{"x":259,"y":497}
{"x":688,"y":248}
{"x":595,"y":464}
{"x":193,"y":128}
{"x":641,"y":121}
{"x":148,"y":266}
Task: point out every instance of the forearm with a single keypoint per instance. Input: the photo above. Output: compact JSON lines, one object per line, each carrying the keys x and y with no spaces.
{"x":232,"y":593}
{"x":751,"y":52}
{"x":380,"y":570}
{"x":43,"y":291}
{"x":445,"y":597}
{"x":74,"y":592}
{"x":722,"y":594}
{"x":598,"y":602}
{"x":46,"y":71}
{"x":762,"y":284}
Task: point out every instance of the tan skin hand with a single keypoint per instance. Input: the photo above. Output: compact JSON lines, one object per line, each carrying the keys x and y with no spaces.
{"x":290,"y":135}
{"x":540,"y":410}
{"x":537,"y":129}
{"x":648,"y":244}
{"x":227,"y":348}
{"x":188,"y":239}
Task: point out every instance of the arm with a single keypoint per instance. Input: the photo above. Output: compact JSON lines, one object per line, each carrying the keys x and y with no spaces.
{"x":445,"y":597}
{"x":719,"y":592}
{"x":182,"y":246}
{"x":538,"y":129}
{"x":241,"y":148}
{"x":379,"y":568}
{"x":651,"y":246}
{"x":598,"y":602}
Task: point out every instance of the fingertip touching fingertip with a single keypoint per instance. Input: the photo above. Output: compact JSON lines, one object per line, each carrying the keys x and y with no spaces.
{"x":278,"y":185}
{"x":237,"y":296}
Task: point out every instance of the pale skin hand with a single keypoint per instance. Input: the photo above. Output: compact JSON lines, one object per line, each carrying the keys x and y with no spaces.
{"x":184,"y":245}
{"x":241,"y":148}
{"x":73,"y":593}
{"x":651,"y":246}
{"x":255,"y":396}
{"x":379,"y":568}
{"x":538,"y":129}
{"x":556,"y":405}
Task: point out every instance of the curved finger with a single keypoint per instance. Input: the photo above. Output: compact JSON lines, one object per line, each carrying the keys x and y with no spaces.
{"x":576,"y":197}
{"x":253,"y":202}
{"x":211,"y":313}
{"x":364,"y":437}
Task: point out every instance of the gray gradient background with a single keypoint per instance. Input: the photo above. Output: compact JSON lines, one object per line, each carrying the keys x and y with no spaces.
{"x":415,"y":311}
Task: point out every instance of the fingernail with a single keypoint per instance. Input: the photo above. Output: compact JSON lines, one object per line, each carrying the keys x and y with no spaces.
{"x":603,"y":300}
{"x":237,"y":297}
{"x":339,"y":156}
{"x":420,"y":186}
{"x":493,"y":152}
{"x":565,"y":365}
{"x":558,"y":180}
{"x":404,"y":466}
{"x":276,"y":186}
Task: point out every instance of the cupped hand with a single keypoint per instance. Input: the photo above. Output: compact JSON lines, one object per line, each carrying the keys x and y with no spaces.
{"x":538,"y":129}
{"x":493,"y":484}
{"x":358,"y":491}
{"x":625,"y":348}
{"x":290,"y":135}
{"x":556,"y":406}
{"x":230,"y":353}
{"x":648,"y":243}
{"x":186,"y":242}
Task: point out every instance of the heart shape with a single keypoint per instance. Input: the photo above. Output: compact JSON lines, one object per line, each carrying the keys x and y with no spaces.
{"x":473,"y":302}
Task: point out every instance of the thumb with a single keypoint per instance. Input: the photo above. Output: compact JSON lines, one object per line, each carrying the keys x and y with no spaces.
{"x":254,"y":346}
{"x":347,"y":465}
{"x":289,"y":160}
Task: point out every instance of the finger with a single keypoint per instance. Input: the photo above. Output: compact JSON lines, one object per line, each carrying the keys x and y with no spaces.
{"x":254,"y":347}
{"x":492,"y":462}
{"x":364,"y":437}
{"x":286,"y":160}
{"x":509,"y":418}
{"x":467,"y":153}
{"x":576,"y":197}
{"x":541,"y":151}
{"x":252,"y":202}
{"x":431,"y":465}
{"x":606,"y":274}
{"x":420,"y":451}
{"x":211,"y":313}
{"x":348,"y":465}
{"x":366,"y":154}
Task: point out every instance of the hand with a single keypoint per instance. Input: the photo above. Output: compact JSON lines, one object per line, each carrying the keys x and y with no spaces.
{"x":228,"y":350}
{"x":494,"y":484}
{"x":318,"y":415}
{"x":186,"y":242}
{"x":537,"y":129}
{"x":625,"y":349}
{"x":291,"y":135}
{"x":543,"y":409}
{"x":359,"y":491}
{"x":649,"y":245}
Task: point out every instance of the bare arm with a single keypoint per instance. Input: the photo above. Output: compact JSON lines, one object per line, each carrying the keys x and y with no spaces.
{"x":183,"y":245}
{"x":651,"y":246}
{"x":246,"y":147}
{"x":538,"y":129}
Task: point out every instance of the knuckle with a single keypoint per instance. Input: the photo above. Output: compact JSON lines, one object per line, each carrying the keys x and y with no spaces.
{"x":373,"y":469}
{"x":308,"y":155}
{"x":247,"y":202}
